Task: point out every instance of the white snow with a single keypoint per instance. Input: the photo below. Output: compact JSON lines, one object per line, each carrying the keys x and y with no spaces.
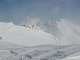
{"x":19,"y":35}
{"x":12,"y":36}
{"x":72,"y":58}
{"x":67,"y":34}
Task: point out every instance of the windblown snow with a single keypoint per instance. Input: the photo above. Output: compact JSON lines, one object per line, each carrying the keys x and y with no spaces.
{"x":33,"y":43}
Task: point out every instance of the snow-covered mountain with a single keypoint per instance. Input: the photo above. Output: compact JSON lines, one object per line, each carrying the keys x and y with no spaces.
{"x":18,"y":43}
{"x":20,"y":35}
{"x":66,"y":33}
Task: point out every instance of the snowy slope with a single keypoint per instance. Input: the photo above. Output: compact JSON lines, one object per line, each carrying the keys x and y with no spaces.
{"x":19,"y":35}
{"x":42,"y":52}
{"x":64,"y":45}
{"x":66,"y":33}
{"x":72,"y":58}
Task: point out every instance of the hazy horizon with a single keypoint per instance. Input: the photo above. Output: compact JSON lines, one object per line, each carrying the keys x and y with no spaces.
{"x":16,"y":11}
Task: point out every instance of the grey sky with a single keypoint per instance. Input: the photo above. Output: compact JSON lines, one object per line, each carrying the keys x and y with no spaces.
{"x":16,"y":11}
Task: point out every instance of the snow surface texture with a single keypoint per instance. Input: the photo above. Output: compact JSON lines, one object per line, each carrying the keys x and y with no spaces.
{"x":18,"y":43}
{"x":44,"y":52}
{"x":63,"y":33}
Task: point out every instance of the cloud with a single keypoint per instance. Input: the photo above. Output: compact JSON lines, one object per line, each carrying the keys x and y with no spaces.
{"x":30,"y":20}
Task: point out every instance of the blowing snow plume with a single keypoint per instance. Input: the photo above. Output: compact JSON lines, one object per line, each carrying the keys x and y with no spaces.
{"x":67,"y":32}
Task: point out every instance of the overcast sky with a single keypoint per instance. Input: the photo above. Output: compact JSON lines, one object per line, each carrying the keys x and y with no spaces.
{"x":45,"y":10}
